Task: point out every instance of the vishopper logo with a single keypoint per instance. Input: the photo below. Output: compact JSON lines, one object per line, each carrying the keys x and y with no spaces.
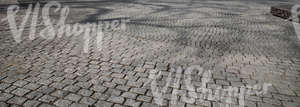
{"x":60,"y":28}
{"x":295,"y":18}
{"x":202,"y":92}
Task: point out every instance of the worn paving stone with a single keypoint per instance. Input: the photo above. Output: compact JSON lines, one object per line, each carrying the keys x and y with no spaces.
{"x":103,"y":104}
{"x":60,"y":93}
{"x":17,"y":100}
{"x":87,"y":100}
{"x":31,"y":103}
{"x":85,"y":92}
{"x":73,"y":97}
{"x":34,"y":95}
{"x":20,"y":91}
{"x":2,"y":104}
{"x":62,"y":103}
{"x":5,"y":96}
{"x":100,"y":96}
{"x":78,"y":105}
{"x":129,"y":95}
{"x":47,"y":99}
{"x":116,"y":99}
{"x":72,"y":88}
{"x":144,"y":98}
{"x":32,"y":86}
{"x":133,"y":103}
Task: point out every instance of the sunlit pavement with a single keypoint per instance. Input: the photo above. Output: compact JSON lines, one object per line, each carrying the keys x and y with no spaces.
{"x":240,"y":42}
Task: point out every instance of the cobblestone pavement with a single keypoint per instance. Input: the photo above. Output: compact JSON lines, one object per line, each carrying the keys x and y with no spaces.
{"x":239,"y":41}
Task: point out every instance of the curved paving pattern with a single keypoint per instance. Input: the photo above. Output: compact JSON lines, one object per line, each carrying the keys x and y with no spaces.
{"x":240,"y":41}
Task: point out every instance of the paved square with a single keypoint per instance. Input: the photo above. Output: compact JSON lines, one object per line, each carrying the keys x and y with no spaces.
{"x":239,"y":41}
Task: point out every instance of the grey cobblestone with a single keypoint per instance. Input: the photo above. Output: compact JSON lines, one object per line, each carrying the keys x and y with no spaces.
{"x":31,"y":103}
{"x":59,"y":93}
{"x":2,"y":104}
{"x":20,"y":83}
{"x":132,"y":103}
{"x":17,"y":100}
{"x":46,"y":89}
{"x":32,"y":86}
{"x":20,"y":91}
{"x":79,"y":105}
{"x":116,"y":99}
{"x":47,"y":99}
{"x":34,"y":95}
{"x":62,"y":103}
{"x":4,"y":86}
{"x":103,"y":104}
{"x":5,"y":96}
{"x":73,"y":97}
{"x":87,"y":100}
{"x":144,"y":98}
{"x":99,"y":88}
{"x":72,"y":88}
{"x":100,"y":96}
{"x":85,"y":92}
{"x":129,"y":95}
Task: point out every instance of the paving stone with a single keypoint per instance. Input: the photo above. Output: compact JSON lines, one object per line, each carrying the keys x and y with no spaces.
{"x":62,"y":103}
{"x":73,"y":97}
{"x":83,"y":84}
{"x":9,"y":89}
{"x":34,"y":95}
{"x":87,"y":100}
{"x":47,"y":98}
{"x":116,"y":99}
{"x":111,"y":91}
{"x":31,"y":103}
{"x":20,"y":83}
{"x":129,"y":95}
{"x":272,"y":101}
{"x":85,"y":92}
{"x":100,"y":96}
{"x":9,"y":80}
{"x":103,"y":104}
{"x":134,"y":84}
{"x":59,"y":93}
{"x":133,"y":103}
{"x":118,"y":75}
{"x":123,"y":87}
{"x":2,"y":104}
{"x":99,"y":88}
{"x":72,"y":88}
{"x":17,"y":100}
{"x":58,"y":85}
{"x":144,"y":98}
{"x":138,"y":90}
{"x":46,"y":89}
{"x":265,"y":105}
{"x":5,"y":96}
{"x":291,"y":104}
{"x":68,"y":81}
{"x":4,"y":86}
{"x":119,"y":81}
{"x":56,"y":79}
{"x":32,"y":86}
{"x":20,"y":91}
{"x":149,"y":105}
{"x":79,"y":105}
{"x":109,"y":84}
{"x":46,"y":105}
